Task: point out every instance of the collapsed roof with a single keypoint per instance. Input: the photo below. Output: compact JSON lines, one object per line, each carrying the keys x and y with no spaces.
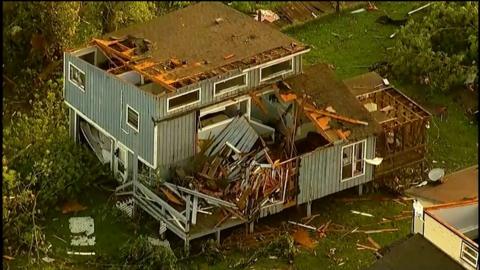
{"x":202,"y":40}
{"x":330,"y":104}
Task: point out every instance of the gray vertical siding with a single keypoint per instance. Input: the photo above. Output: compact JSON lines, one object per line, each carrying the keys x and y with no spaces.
{"x":71,"y":121}
{"x":101,"y":103}
{"x":176,"y":139}
{"x":207,"y":88}
{"x":320,"y":172}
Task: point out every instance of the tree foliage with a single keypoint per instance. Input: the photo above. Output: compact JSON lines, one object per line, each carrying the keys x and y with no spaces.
{"x":440,"y":48}
{"x":141,"y":254}
{"x":41,"y":167}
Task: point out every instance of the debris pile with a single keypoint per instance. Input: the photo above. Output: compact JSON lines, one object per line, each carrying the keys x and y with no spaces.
{"x":238,"y":168}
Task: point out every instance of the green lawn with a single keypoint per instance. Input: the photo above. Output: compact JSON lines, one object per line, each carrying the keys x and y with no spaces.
{"x":351,"y":42}
{"x":329,"y":208}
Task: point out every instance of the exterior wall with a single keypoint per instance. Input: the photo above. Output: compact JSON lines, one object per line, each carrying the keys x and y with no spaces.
{"x":176,"y":139}
{"x":444,"y":239}
{"x":319,"y":173}
{"x":104,"y":102}
{"x":72,"y":124}
{"x":207,"y":89}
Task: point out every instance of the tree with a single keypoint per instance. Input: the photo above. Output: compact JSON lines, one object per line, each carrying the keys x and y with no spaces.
{"x":440,"y":48}
{"x":41,"y":167}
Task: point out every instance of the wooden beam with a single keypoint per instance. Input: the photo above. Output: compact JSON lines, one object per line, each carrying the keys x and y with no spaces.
{"x":340,"y":117}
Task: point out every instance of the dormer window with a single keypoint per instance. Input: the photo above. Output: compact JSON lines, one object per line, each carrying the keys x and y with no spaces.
{"x":76,"y":76}
{"x":276,"y":70}
{"x":183,"y":100}
{"x":230,"y":84}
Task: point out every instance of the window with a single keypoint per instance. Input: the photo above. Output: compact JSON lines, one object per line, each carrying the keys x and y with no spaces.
{"x":223,"y":112}
{"x":276,"y":70}
{"x":76,"y":76}
{"x":230,"y":84}
{"x":469,"y":254}
{"x":132,"y":118}
{"x":353,"y":163}
{"x":183,"y":100}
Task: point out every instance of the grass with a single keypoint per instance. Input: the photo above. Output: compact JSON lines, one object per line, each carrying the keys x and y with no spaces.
{"x":351,"y":42}
{"x":330,"y":208}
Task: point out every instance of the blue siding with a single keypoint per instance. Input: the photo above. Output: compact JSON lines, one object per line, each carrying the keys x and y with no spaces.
{"x":102,"y":103}
{"x":320,"y":172}
{"x":207,"y":89}
{"x":176,"y":139}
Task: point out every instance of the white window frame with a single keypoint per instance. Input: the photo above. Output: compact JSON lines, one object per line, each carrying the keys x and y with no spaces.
{"x":70,"y":64}
{"x":221,"y":107}
{"x":185,"y":105}
{"x":228,"y":90}
{"x":364,"y":142}
{"x":463,"y":253}
{"x":126,"y":118}
{"x":274,"y":75}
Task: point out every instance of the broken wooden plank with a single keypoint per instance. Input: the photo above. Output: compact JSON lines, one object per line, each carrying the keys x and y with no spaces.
{"x":375,"y":244}
{"x":170,"y":196}
{"x":361,"y":213}
{"x":380,"y":231}
{"x":302,"y":225}
{"x":226,"y":57}
{"x":367,"y":247}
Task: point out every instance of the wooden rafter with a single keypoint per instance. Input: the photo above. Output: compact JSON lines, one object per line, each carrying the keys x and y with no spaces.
{"x":126,"y":60}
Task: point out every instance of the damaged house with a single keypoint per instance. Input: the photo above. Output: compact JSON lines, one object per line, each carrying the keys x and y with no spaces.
{"x":209,"y":120}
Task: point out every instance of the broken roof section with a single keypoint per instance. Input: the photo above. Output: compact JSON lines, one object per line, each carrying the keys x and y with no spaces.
{"x":198,"y":42}
{"x":330,"y":105}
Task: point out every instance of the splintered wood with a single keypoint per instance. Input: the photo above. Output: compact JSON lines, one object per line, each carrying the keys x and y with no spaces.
{"x":302,"y":237}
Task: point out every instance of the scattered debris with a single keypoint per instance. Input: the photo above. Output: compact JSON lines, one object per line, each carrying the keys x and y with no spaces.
{"x":375,"y":244}
{"x":303,"y":225}
{"x":82,"y":228}
{"x":358,"y":11}
{"x":72,"y":207}
{"x":80,"y":253}
{"x":424,"y":183}
{"x":59,"y":238}
{"x":228,"y":56}
{"x":266,"y":15}
{"x":48,"y":259}
{"x":303,"y":238}
{"x":380,"y":231}
{"x":371,"y":6}
{"x":10,"y":258}
{"x":399,"y":202}
{"x":366,"y":247}
{"x":376,"y":161}
{"x":361,"y":213}
{"x":418,"y":9}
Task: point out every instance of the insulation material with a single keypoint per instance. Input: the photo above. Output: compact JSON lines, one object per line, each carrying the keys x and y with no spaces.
{"x":82,"y":229}
{"x":99,"y":143}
